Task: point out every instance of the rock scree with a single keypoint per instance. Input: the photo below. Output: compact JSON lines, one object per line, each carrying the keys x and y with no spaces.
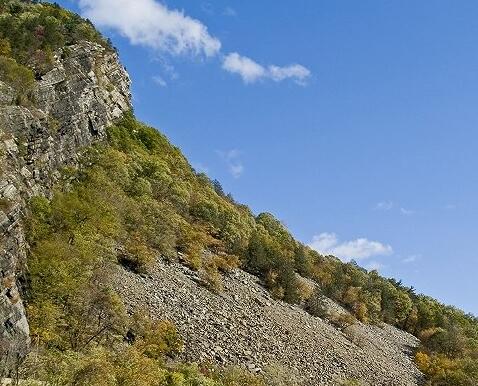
{"x":244,"y":326}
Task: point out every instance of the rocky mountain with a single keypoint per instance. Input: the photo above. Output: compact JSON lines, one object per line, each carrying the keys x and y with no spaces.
{"x":86,"y":90}
{"x":122,"y":265}
{"x":83,"y":93}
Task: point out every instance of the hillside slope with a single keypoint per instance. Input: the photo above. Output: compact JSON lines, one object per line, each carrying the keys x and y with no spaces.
{"x":108,"y":235}
{"x":244,"y":325}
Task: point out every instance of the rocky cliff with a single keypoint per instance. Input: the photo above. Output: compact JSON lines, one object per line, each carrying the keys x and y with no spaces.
{"x":70,"y":107}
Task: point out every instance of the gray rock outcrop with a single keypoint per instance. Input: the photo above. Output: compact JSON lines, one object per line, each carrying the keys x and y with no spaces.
{"x":71,"y":106}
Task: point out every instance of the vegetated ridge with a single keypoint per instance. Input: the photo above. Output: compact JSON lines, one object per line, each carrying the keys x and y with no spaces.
{"x":119,"y":263}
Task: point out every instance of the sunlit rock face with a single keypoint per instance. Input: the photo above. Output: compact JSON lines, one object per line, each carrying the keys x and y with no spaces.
{"x":71,"y":106}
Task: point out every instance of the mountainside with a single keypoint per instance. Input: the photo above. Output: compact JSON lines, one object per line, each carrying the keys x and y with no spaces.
{"x":86,"y":89}
{"x":244,"y":325}
{"x":120,"y":264}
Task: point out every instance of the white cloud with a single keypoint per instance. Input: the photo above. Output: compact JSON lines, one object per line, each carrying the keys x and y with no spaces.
{"x":384,"y":205}
{"x":362,"y":248}
{"x":234,"y":164}
{"x":152,"y":24}
{"x":324,"y":242}
{"x":159,"y":81}
{"x":407,"y":212}
{"x":295,"y":71}
{"x":251,"y":71}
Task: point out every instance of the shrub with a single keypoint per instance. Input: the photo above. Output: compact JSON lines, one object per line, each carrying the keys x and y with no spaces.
{"x":5,"y":205}
{"x":5,"y":48}
{"x":158,"y":339}
{"x":341,"y":321}
{"x":351,"y":382}
{"x":354,"y":336}
{"x":211,"y":275}
{"x":361,"y":312}
{"x":226,"y":263}
{"x":191,"y":245}
{"x":316,"y":305}
{"x":20,"y":78}
{"x":447,"y":341}
{"x":276,"y":375}
{"x":236,"y":376}
{"x":137,"y":256}
{"x":305,"y":290}
{"x":441,"y":370}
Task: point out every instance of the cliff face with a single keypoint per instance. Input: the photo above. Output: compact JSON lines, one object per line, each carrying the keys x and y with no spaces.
{"x":72,"y":104}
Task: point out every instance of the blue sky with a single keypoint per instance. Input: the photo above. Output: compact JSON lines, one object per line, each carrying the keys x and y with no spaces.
{"x":354,"y":122}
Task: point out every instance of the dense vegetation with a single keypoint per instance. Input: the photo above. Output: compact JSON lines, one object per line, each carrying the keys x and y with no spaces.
{"x":30,"y":33}
{"x":136,"y":198}
{"x":130,"y":204}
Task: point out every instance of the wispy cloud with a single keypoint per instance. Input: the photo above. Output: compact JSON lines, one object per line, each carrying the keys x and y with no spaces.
{"x":233,"y":161}
{"x":384,"y":205}
{"x":361,"y":248}
{"x":229,"y":11}
{"x":200,"y":168}
{"x":159,"y":81}
{"x":208,"y":8}
{"x":152,"y":24}
{"x":251,"y":71}
{"x":374,"y":266}
{"x":236,"y":169}
{"x":168,"y":69}
{"x":387,"y":206}
{"x":411,"y":259}
{"x":407,"y":212}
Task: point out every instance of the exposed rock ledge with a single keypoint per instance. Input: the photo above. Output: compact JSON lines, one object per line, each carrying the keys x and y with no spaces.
{"x":244,"y":325}
{"x":73,"y":103}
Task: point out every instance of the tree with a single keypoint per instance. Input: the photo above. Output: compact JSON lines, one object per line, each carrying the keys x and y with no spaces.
{"x":303,"y":263}
{"x":218,"y":188}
